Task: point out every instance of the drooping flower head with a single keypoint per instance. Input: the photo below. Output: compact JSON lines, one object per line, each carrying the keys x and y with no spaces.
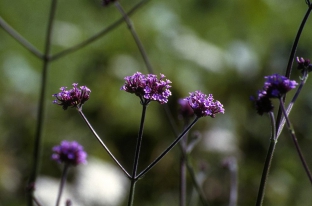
{"x":304,"y":64}
{"x":148,"y":88}
{"x":185,"y":110}
{"x":204,"y":105}
{"x":74,"y":97}
{"x":71,"y":153}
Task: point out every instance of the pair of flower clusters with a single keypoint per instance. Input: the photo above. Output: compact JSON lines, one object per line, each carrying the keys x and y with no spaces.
{"x":275,"y":86}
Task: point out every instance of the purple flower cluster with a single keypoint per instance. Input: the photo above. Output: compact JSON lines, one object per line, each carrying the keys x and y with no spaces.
{"x":69,"y":153}
{"x":148,"y":87}
{"x":204,"y":105}
{"x":275,"y":86}
{"x":74,"y":97}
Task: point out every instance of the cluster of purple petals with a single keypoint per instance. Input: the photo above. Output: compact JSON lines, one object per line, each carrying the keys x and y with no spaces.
{"x":71,"y":153}
{"x":148,"y":87}
{"x":74,"y":97}
{"x":276,"y":86}
{"x":204,"y":105}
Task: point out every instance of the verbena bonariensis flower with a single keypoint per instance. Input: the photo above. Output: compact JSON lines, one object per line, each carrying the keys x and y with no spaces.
{"x":185,"y":110}
{"x":276,"y":86}
{"x":71,"y":153}
{"x":74,"y":97}
{"x":204,"y":105}
{"x":148,"y":87}
{"x":304,"y":64}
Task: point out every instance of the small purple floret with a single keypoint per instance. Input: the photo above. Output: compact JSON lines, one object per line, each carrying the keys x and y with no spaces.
{"x":185,"y":110}
{"x":74,"y":97}
{"x":204,"y":105}
{"x":148,"y":87}
{"x":71,"y":153}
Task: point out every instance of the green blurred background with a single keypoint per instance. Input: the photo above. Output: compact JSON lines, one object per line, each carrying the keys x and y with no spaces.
{"x":216,"y":46}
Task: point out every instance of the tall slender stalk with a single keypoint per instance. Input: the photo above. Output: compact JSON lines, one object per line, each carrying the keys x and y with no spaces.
{"x":62,"y":184}
{"x":135,"y":36}
{"x":40,"y":112}
{"x":148,"y":168}
{"x":102,"y":143}
{"x":294,"y":138}
{"x":20,"y":39}
{"x":137,"y":153}
{"x":291,"y":57}
{"x":98,"y":35}
{"x":268,"y":160}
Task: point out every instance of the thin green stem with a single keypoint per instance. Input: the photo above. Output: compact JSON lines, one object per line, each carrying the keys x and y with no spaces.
{"x":167,"y":150}
{"x":62,"y":184}
{"x":268,"y":160}
{"x":294,"y":138}
{"x":137,"y":153}
{"x":234,"y":183}
{"x":102,"y":143}
{"x":195,"y":182}
{"x":291,"y":58}
{"x":292,"y":102}
{"x":20,"y":39}
{"x":183,"y":168}
{"x":135,"y":36}
{"x":40,"y":113}
{"x":98,"y":35}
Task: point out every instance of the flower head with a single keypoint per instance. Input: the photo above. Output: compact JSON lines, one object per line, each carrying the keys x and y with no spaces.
{"x":148,"y":87}
{"x":276,"y":86}
{"x":74,"y":97}
{"x":204,"y":105}
{"x":304,"y":64}
{"x":69,"y":153}
{"x":263,"y":104}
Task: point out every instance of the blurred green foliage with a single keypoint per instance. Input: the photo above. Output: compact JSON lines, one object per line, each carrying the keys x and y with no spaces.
{"x":219,"y":47}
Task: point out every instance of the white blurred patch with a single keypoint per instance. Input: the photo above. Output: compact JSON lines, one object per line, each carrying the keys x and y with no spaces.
{"x":66,"y":34}
{"x":20,"y":74}
{"x":220,"y":140}
{"x":124,"y":65}
{"x":101,"y":183}
{"x":199,"y":51}
{"x":47,"y":190}
{"x":243,"y":58}
{"x":97,"y":183}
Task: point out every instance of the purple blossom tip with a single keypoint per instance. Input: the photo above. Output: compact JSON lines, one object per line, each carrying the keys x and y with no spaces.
{"x":204,"y":105}
{"x":71,"y":153}
{"x":148,"y":87}
{"x":304,"y":64}
{"x":276,"y":86}
{"x":185,"y":110}
{"x":74,"y":97}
